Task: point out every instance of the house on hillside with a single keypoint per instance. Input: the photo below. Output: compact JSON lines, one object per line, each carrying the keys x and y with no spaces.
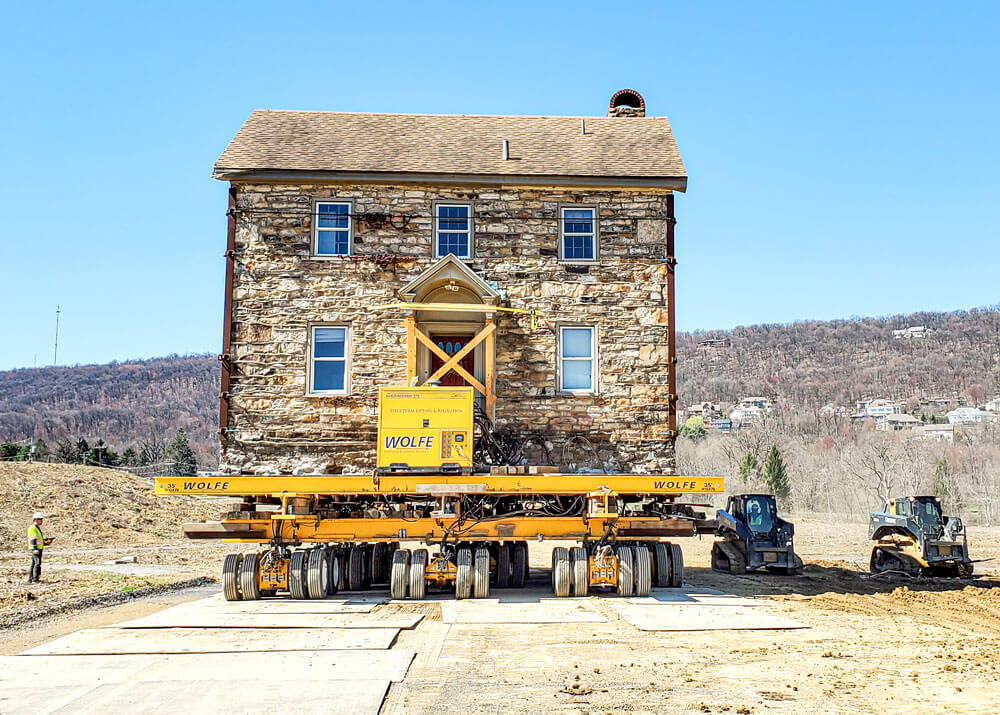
{"x":969,"y":416}
{"x":897,"y":423}
{"x":993,"y":405}
{"x":914,"y":332}
{"x":750,"y":410}
{"x":529,"y":257}
{"x":944,"y":433}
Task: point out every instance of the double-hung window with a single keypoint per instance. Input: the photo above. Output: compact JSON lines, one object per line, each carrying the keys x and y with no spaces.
{"x":333,"y":228}
{"x":329,"y":360}
{"x":578,"y":233}
{"x":577,"y":359}
{"x":453,"y":230}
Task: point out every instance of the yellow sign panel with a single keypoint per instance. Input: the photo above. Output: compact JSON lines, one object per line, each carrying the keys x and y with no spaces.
{"x":424,"y":427}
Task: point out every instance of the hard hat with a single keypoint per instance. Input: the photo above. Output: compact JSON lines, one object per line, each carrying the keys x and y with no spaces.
{"x":38,"y":515}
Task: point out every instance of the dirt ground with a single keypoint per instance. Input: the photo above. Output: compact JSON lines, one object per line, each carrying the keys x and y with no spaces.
{"x":96,"y":516}
{"x":874,"y":644}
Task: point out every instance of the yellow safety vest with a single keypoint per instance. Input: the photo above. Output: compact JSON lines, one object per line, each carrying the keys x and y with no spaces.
{"x":35,"y":533}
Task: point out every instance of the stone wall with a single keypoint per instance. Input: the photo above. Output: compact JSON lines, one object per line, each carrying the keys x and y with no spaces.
{"x":280,"y":289}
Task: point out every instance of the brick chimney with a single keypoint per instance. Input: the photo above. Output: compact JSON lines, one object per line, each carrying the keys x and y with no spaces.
{"x":627,"y":103}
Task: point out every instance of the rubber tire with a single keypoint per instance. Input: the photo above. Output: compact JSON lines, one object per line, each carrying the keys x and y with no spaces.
{"x":297,"y":574}
{"x":579,"y":565}
{"x":464,"y":575}
{"x":518,"y":564}
{"x":380,"y":562}
{"x":643,"y":570}
{"x":399,"y":574}
{"x":503,"y":566}
{"x":560,"y":572}
{"x":676,"y":566}
{"x":661,"y":557}
{"x":334,"y":570}
{"x":366,"y":571}
{"x":317,"y":573}
{"x":481,"y":573}
{"x":230,"y":577}
{"x":249,"y":585}
{"x":418,"y":563}
{"x":626,"y":573}
{"x":356,"y":569}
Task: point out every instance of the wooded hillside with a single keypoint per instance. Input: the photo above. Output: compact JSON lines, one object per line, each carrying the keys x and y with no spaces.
{"x":123,"y":403}
{"x":811,"y":364}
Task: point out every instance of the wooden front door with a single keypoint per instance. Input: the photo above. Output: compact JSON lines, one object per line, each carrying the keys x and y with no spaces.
{"x":451,"y":344}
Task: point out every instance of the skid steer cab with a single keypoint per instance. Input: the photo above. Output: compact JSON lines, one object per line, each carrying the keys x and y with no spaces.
{"x":913,"y":536}
{"x":752,"y":536}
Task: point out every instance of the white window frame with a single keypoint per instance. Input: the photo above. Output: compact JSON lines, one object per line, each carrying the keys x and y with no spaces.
{"x":563,"y":208}
{"x":592,"y":390}
{"x":317,"y":230}
{"x":471,"y":234}
{"x":311,"y":359}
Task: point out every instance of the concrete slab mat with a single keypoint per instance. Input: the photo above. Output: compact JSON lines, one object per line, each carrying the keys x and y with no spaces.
{"x":241,"y":696}
{"x":189,"y":618}
{"x":114,"y":641}
{"x":542,"y":611}
{"x":38,"y":699}
{"x":692,"y":598}
{"x":665,"y":617}
{"x":88,"y":670}
{"x":283,"y":604}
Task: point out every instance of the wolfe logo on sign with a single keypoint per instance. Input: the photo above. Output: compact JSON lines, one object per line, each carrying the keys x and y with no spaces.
{"x":409,"y":442}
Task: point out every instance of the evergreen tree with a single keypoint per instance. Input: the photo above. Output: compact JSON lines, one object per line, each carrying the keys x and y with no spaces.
{"x":101,"y":455}
{"x":41,"y":450}
{"x":130,"y":458}
{"x":82,"y":449}
{"x":750,"y":468}
{"x":179,"y":457}
{"x":65,"y":451}
{"x":9,"y":451}
{"x":775,"y":474}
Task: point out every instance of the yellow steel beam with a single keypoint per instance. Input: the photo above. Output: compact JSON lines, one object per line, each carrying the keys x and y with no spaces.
{"x":459,"y":307}
{"x":436,"y":485}
{"x":310,"y":529}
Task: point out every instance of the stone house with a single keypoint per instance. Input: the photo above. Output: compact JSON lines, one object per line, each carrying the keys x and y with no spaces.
{"x":530,"y":257}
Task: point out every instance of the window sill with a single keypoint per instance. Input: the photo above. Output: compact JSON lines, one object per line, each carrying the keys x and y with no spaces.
{"x":329,"y":393}
{"x":579,"y":262}
{"x":329,"y":256}
{"x":577,"y":393}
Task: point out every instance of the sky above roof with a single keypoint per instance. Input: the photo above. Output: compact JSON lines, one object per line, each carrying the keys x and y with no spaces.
{"x":841,"y":158}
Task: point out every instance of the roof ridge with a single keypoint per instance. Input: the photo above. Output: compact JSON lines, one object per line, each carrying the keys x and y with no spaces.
{"x":450,"y":116}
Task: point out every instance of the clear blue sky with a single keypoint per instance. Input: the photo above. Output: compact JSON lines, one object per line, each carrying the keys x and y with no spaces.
{"x":843,"y":157}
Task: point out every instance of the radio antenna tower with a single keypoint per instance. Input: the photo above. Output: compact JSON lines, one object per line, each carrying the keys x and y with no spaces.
{"x":55,"y":350}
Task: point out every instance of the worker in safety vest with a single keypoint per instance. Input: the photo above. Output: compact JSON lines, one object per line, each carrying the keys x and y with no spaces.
{"x":36,"y":544}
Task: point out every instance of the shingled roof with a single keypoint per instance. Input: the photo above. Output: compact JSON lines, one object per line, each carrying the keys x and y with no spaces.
{"x":614,"y":150}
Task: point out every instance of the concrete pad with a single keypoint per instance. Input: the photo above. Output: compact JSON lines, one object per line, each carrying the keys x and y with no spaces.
{"x":549,"y":610}
{"x":241,"y":696}
{"x":692,"y":598}
{"x":71,"y":671}
{"x":112,"y":641}
{"x":187,"y":618}
{"x":667,"y":617}
{"x":283,"y":604}
{"x":38,"y":699}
